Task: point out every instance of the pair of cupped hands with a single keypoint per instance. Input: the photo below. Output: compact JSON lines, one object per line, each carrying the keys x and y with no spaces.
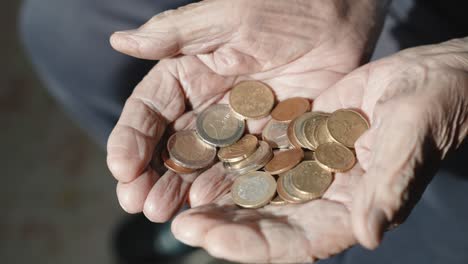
{"x":416,"y":101}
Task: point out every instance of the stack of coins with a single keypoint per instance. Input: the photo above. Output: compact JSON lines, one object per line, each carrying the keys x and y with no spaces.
{"x":299,"y":150}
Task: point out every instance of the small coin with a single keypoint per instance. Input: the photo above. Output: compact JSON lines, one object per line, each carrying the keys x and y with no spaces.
{"x":284,"y":161}
{"x":290,"y":109}
{"x":285,"y":190}
{"x":334,"y":157}
{"x":292,"y":135}
{"x":171,"y":165}
{"x":217,"y":125}
{"x":239,"y":150}
{"x":187,"y":150}
{"x":345,"y":126}
{"x":275,"y":133}
{"x":321,"y":135}
{"x":254,"y":189}
{"x":256,"y":161}
{"x":309,"y":127}
{"x":311,"y":180}
{"x":251,"y":99}
{"x":278,"y":201}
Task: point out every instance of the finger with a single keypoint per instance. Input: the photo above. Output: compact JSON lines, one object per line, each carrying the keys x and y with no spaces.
{"x":193,"y":29}
{"x":156,"y":100}
{"x":132,"y":195}
{"x":388,"y":188}
{"x":167,"y":196}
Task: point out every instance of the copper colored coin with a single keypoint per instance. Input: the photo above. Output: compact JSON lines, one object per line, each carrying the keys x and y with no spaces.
{"x":186,"y":149}
{"x":321,"y":134}
{"x":345,"y":126}
{"x":276,"y":134}
{"x":284,"y":161}
{"x":334,"y":157}
{"x":290,"y":109}
{"x":278,"y":201}
{"x":171,"y":165}
{"x":285,"y":190}
{"x":239,"y":150}
{"x":253,"y":190}
{"x":292,"y":135}
{"x":251,"y":99}
{"x":309,"y":127}
{"x":310,"y":180}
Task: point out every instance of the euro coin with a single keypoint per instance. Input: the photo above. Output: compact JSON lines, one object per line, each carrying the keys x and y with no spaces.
{"x":284,"y":160}
{"x":310,"y":180}
{"x":218,"y":126}
{"x":321,"y":135}
{"x":239,"y":150}
{"x":345,"y":126}
{"x":187,"y":150}
{"x":293,"y":140}
{"x":254,"y":189}
{"x":171,"y":165}
{"x":309,"y":127}
{"x":285,"y":190}
{"x":290,"y":109}
{"x":256,"y":161}
{"x":334,"y":157}
{"x":252,"y":99}
{"x":275,"y":133}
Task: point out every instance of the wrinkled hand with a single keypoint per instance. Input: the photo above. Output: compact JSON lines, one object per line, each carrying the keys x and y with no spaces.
{"x":300,"y":48}
{"x":417,"y":101}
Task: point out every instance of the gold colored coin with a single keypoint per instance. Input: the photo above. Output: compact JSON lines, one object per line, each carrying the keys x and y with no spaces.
{"x":292,"y":135}
{"x":252,"y":99}
{"x":276,"y":134}
{"x":256,"y":161}
{"x":310,"y":180}
{"x":285,"y":190}
{"x":284,"y":161}
{"x":321,"y":135}
{"x":278,"y":201}
{"x":334,"y":157}
{"x":254,"y":189}
{"x":299,"y":130}
{"x":239,"y":150}
{"x":345,"y":126}
{"x":310,"y":126}
{"x":290,"y":109}
{"x":187,"y":150}
{"x":171,"y":165}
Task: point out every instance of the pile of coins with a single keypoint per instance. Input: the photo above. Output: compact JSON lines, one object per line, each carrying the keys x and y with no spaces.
{"x":299,"y":151}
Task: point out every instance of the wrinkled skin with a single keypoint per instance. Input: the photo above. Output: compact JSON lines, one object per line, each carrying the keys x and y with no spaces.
{"x":299,"y":48}
{"x":417,"y":101}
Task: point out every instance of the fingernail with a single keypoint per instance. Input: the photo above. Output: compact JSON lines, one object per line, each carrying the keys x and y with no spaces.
{"x":377,"y":223}
{"x":125,"y":39}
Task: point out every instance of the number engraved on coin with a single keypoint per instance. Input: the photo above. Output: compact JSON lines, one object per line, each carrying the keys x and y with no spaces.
{"x":254,"y":189}
{"x":275,"y":133}
{"x":251,"y":99}
{"x":290,"y":109}
{"x":239,"y":150}
{"x":311,"y":180}
{"x":346,"y":126}
{"x":334,"y":157}
{"x":187,"y":150}
{"x":217,"y":125}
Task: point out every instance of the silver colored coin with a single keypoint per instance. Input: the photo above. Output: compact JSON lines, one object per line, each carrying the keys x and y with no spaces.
{"x":218,"y":126}
{"x":275,"y":133}
{"x":253,"y":190}
{"x":187,"y":150}
{"x":254,"y":162}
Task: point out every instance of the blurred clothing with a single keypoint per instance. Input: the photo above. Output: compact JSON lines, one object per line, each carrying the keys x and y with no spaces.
{"x":68,"y":44}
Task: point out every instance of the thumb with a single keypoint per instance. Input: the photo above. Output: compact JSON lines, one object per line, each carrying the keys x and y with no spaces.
{"x":193,"y":29}
{"x":403,"y":160}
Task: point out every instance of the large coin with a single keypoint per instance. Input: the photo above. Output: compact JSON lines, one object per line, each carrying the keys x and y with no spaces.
{"x":311,"y":180}
{"x":334,"y":157}
{"x":256,"y":161}
{"x":284,"y":160}
{"x":171,"y":165}
{"x":187,"y":150}
{"x":275,"y":133}
{"x":346,"y":126}
{"x":290,"y":109}
{"x":239,"y":150}
{"x":251,"y":99}
{"x":254,"y":189}
{"x":285,"y":189}
{"x":321,"y":134}
{"x":217,"y":125}
{"x":309,"y":127}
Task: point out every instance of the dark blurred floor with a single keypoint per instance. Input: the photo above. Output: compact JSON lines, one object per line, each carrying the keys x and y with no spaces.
{"x":57,"y":198}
